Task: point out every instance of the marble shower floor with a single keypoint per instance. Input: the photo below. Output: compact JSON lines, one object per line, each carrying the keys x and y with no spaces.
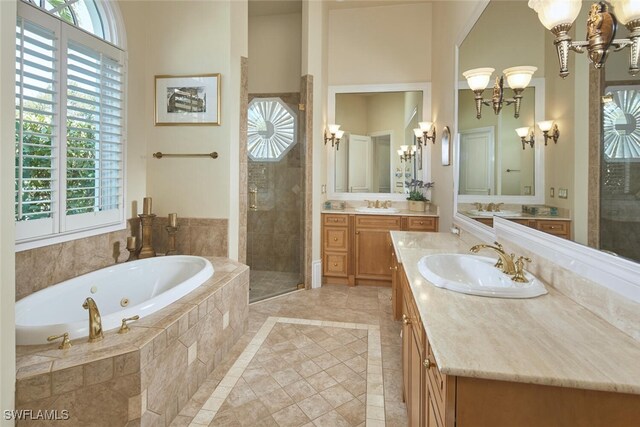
{"x":323,"y":357}
{"x":267,"y":284}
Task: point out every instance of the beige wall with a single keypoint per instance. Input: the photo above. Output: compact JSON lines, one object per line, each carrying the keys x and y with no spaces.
{"x":386,"y":44}
{"x":274,"y":53}
{"x":7,"y":273}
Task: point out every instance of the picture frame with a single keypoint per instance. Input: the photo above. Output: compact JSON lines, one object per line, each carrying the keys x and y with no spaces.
{"x":446,"y":146}
{"x":192,"y":100}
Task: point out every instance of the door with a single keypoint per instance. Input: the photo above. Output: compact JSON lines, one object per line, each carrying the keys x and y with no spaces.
{"x":360,"y":159}
{"x":477,"y":161}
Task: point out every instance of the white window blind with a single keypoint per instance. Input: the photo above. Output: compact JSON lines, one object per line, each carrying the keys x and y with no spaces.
{"x":69,"y":129}
{"x":36,"y":130}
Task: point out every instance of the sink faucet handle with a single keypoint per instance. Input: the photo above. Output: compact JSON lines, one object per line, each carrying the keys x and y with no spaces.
{"x":497,"y":207}
{"x":519,"y":263}
{"x":478,"y":206}
{"x":125,"y":328}
{"x":65,"y":344}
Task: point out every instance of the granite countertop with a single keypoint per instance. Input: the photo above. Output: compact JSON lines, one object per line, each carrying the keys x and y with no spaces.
{"x":548,"y":340}
{"x":432,"y":211}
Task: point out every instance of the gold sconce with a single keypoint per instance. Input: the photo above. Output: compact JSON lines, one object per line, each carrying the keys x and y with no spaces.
{"x":422,"y":133}
{"x":518,"y":78}
{"x":406,"y":153}
{"x":336,"y":134}
{"x":549,"y":131}
{"x":523,"y":133}
{"x":558,"y":16}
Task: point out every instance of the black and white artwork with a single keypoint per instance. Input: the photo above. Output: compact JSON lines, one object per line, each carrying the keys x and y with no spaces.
{"x":188,"y":100}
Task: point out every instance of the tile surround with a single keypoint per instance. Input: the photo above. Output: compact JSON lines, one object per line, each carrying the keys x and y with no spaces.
{"x":147,"y":376}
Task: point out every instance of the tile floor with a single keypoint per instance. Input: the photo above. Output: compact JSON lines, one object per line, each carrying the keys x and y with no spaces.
{"x":324,"y":357}
{"x":267,"y":284}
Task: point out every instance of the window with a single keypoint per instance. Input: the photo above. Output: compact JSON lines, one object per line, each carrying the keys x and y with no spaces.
{"x":271,"y":130}
{"x":69,"y":121}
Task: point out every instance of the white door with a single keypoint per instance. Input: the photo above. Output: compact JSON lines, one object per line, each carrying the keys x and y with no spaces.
{"x":477,"y":161}
{"x":360,"y":163}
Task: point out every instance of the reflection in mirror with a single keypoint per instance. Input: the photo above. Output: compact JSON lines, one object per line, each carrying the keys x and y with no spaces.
{"x":378,"y":126}
{"x":492,"y":158}
{"x":592,"y":173}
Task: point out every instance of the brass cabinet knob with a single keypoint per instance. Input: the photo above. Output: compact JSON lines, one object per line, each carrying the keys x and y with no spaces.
{"x":335,"y":239}
{"x":335,"y":264}
{"x":394,"y":267}
{"x":426,"y":363}
{"x":405,"y":319}
{"x":357,"y":232}
{"x":421,"y":222}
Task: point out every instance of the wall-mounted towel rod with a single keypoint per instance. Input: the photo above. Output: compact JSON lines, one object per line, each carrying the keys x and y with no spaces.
{"x":513,"y":170}
{"x":160,"y":154}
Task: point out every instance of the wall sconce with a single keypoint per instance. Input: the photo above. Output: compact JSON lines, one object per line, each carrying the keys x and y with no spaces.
{"x":422,"y":133}
{"x":518,"y":78}
{"x":336,"y":134}
{"x":558,"y":16}
{"x":549,"y":130}
{"x":523,"y":133}
{"x":406,"y":153}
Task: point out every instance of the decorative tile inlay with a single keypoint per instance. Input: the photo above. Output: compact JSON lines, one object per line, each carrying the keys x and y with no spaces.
{"x":296,"y":371}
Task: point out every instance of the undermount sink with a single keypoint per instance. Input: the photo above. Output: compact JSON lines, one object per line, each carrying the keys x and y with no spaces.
{"x":476,"y":275}
{"x":475,"y":212}
{"x":377,"y":210}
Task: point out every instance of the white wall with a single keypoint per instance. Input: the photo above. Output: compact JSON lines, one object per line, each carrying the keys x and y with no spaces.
{"x":7,"y":259}
{"x":385,"y":44}
{"x":275,"y":53}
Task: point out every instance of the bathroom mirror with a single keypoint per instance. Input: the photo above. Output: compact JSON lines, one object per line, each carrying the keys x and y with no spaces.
{"x":377,"y":120}
{"x":600,"y":192}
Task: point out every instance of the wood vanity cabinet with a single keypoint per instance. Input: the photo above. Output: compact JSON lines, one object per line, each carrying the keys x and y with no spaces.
{"x":557,"y":227}
{"x":357,"y":249}
{"x":434,"y":399}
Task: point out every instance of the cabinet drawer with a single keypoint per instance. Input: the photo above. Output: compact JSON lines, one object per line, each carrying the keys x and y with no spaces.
{"x":330,"y":219}
{"x":378,"y":222}
{"x":418,"y":223}
{"x":560,"y":228}
{"x":335,"y":264}
{"x":335,"y":239}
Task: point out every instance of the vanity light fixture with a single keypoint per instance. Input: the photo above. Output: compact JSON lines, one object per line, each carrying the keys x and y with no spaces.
{"x":406,"y":153}
{"x":518,"y":78}
{"x":336,"y":134}
{"x":549,"y":130}
{"x":523,"y":133}
{"x":422,"y":133}
{"x":558,"y":17}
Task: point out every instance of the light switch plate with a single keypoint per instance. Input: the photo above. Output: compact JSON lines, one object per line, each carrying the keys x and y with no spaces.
{"x":563,"y":193}
{"x":552,"y":192}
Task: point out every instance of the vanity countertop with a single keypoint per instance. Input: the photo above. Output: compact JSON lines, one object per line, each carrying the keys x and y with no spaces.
{"x":548,"y":340}
{"x":432,"y":211}
{"x":522,"y":216}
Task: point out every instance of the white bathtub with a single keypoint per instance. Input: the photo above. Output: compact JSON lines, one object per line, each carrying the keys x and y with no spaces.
{"x":149,"y":285}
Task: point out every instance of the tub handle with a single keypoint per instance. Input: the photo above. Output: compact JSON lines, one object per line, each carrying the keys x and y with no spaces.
{"x":125,"y":328}
{"x":65,"y":344}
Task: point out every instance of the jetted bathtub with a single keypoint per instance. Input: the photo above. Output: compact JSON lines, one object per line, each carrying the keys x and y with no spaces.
{"x":139,"y":287}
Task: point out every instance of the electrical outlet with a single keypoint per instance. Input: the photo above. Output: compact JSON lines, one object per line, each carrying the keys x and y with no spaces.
{"x":323,"y":189}
{"x":552,"y":192}
{"x":563,"y":193}
{"x":527,"y":190}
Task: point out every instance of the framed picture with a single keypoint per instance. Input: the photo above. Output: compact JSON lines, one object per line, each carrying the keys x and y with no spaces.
{"x":446,"y":146}
{"x":188,"y":100}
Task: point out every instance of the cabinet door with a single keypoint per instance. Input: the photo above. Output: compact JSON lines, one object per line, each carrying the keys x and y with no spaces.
{"x":432,"y":418}
{"x":416,"y":378}
{"x":406,"y":345}
{"x":373,"y":254}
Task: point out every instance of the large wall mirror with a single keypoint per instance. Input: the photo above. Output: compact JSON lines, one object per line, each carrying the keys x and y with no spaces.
{"x":378,"y":122}
{"x":592,"y":173}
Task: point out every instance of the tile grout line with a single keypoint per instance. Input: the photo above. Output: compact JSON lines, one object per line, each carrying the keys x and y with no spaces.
{"x":375,"y":413}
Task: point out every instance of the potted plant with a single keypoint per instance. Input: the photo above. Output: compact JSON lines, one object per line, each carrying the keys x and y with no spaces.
{"x":417,"y":199}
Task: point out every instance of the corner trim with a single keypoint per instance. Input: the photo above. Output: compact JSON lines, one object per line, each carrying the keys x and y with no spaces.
{"x":316,"y":275}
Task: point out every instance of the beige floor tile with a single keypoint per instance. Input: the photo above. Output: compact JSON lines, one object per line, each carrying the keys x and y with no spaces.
{"x":300,"y":390}
{"x":307,"y":368}
{"x":326,"y":360}
{"x":321,"y":381}
{"x":337,"y":395}
{"x":340,"y":372}
{"x":286,"y":377}
{"x":353,"y":411}
{"x":291,"y":416}
{"x":331,"y":419}
{"x":315,"y":406}
{"x":276,"y":400}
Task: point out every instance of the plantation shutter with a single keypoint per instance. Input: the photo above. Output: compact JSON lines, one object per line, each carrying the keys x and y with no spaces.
{"x":36,"y":130}
{"x":94,"y":164}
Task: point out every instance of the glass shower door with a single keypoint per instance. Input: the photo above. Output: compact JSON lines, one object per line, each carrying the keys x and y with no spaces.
{"x":276,"y":196}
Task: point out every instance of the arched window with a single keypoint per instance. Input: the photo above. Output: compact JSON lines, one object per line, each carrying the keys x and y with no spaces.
{"x":70,"y":134}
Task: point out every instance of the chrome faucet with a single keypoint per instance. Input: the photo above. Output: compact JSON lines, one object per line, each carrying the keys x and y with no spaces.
{"x":95,"y":321}
{"x":505,"y":261}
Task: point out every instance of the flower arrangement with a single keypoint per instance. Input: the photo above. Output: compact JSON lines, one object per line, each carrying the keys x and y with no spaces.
{"x":417,"y":189}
